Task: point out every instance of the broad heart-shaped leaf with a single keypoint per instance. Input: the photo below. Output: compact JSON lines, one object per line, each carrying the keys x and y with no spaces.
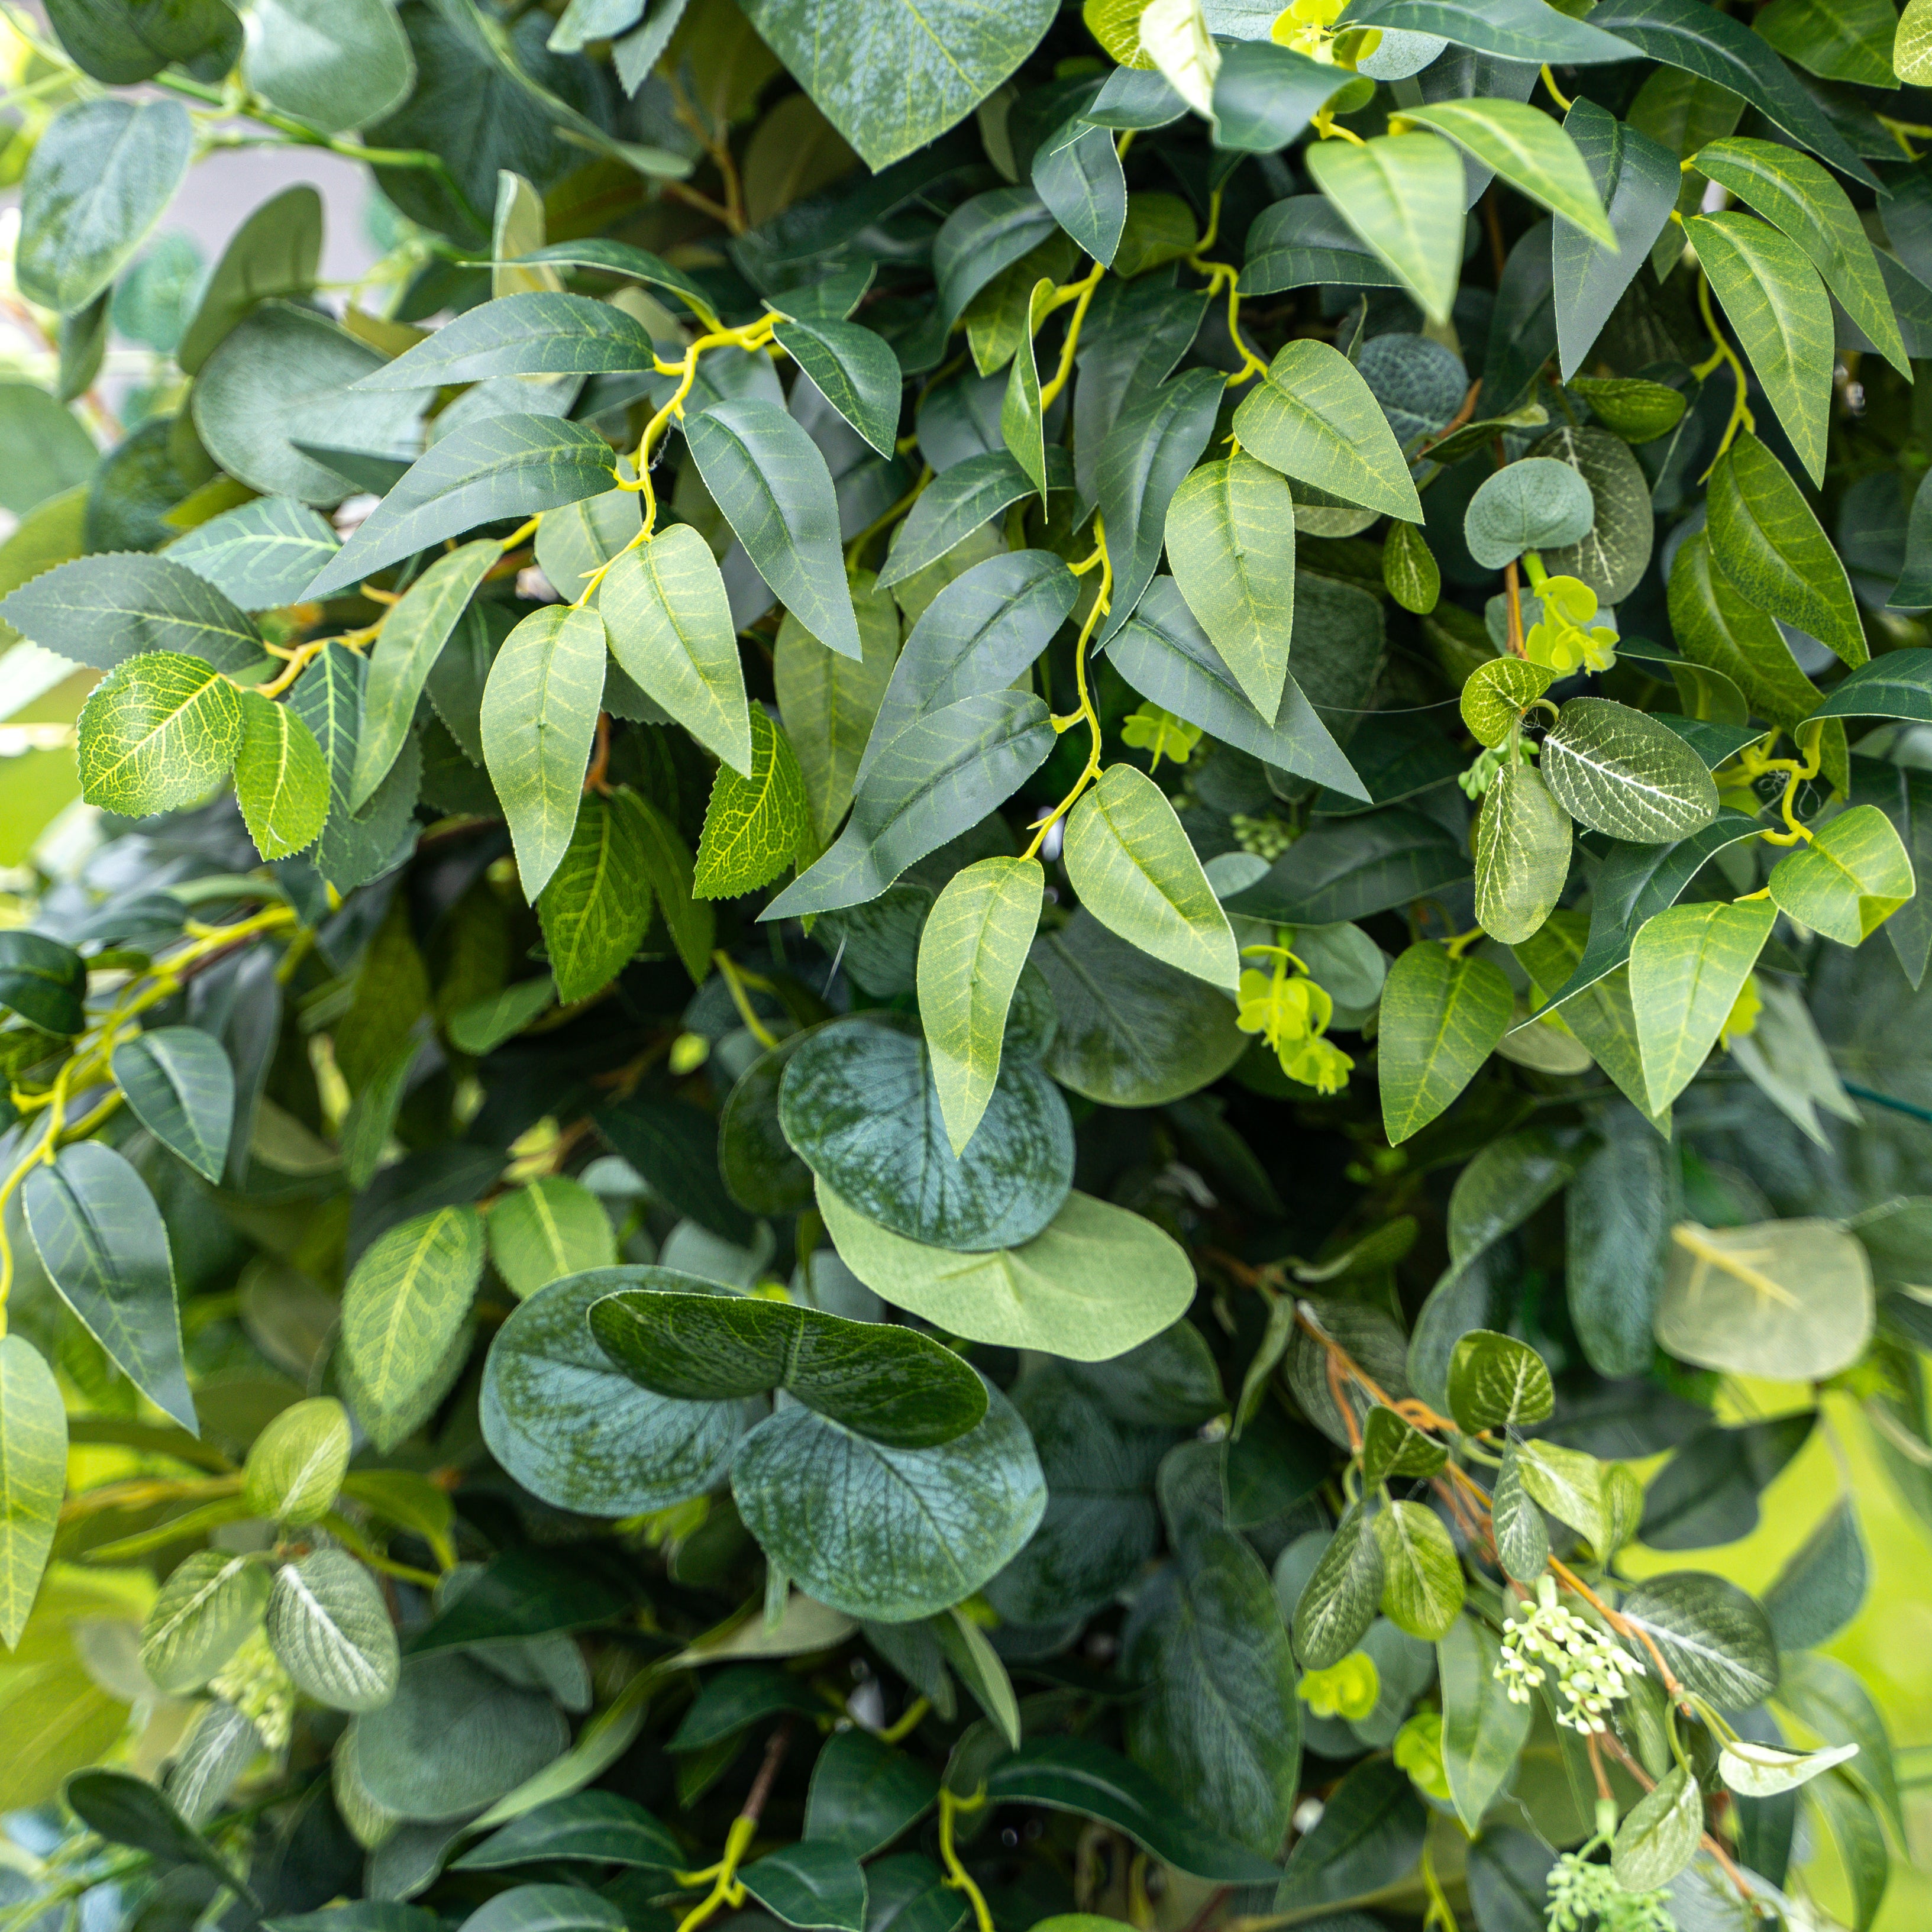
{"x":754,"y":826}
{"x":1772,"y":296}
{"x":940,"y":775}
{"x":586,"y":1827}
{"x":938,"y":1522}
{"x":1536,"y":504}
{"x":1422,"y":1575}
{"x":1402,"y":194}
{"x":1770,"y":545}
{"x":1713,"y":1636}
{"x":829,"y":703}
{"x":1136,"y":871}
{"x":43,"y":981}
{"x":1790,"y":1300}
{"x":597,"y":904}
{"x":102,"y":173}
{"x":281,"y":778}
{"x":1637,"y":179}
{"x":414,"y":632}
{"x":1688,"y":967}
{"x":956,"y":503}
{"x":669,"y":623}
{"x":1441,"y":1019}
{"x":1097,"y":1281}
{"x":679,"y":1337}
{"x":1163,"y":653}
{"x":502,"y":466}
{"x":1851,"y":877}
{"x":768,"y":478}
{"x":574,"y":1429}
{"x":1795,"y":194}
{"x":179,"y":1085}
{"x":1313,"y":417}
{"x":159,"y":731}
{"x":853,"y":368}
{"x":971,"y":950}
{"x":860,"y":1103}
{"x":1529,"y":151}
{"x":539,"y":715}
{"x":1522,"y":854}
{"x":335,"y":67}
{"x":260,"y":555}
{"x":102,"y":1242}
{"x":1719,"y":628}
{"x":812,"y":1884}
{"x":549,"y":1228}
{"x":1496,"y":1382}
{"x":406,"y":1300}
{"x":1230,"y":547}
{"x":100,"y":610}
{"x":1153,"y":443}
{"x":1483,"y":1731}
{"x":1497,"y":694}
{"x":537,"y":333}
{"x":1621,"y":773}
{"x":891,"y":77}
{"x":1511,"y":30}
{"x":1077,"y":172}
{"x":211,"y":1601}
{"x":33,"y":1477}
{"x":330,"y":1630}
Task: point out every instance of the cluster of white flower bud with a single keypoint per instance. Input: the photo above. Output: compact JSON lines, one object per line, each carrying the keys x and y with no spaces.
{"x":1547,"y":1638}
{"x":1586,"y":1898}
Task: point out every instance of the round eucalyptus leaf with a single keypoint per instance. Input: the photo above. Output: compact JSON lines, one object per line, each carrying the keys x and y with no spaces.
{"x":859,"y":1102}
{"x":570,"y":1426}
{"x":889,"y":1533}
{"x":760,"y":1169}
{"x":1536,"y":504}
{"x":1419,"y":384}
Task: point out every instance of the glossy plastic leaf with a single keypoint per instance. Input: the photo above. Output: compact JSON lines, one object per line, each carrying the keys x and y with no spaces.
{"x":180,"y":1086}
{"x":1441,"y":1019}
{"x":1688,"y":965}
{"x":1712,"y":1635}
{"x":829,"y":703}
{"x":955,"y":503}
{"x":588,"y":1827}
{"x":43,"y":981}
{"x":810,"y":1885}
{"x":1403,"y":195}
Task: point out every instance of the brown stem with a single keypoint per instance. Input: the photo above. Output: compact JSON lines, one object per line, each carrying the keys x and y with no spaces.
{"x":775,"y":1747}
{"x":1624,"y":1627}
{"x":1455,"y":422}
{"x":1338,"y":1391}
{"x":1515,"y":592}
{"x":595,"y":778}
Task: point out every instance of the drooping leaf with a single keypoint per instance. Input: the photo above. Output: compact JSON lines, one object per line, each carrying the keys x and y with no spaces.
{"x":281,"y":778}
{"x":1402,"y":195}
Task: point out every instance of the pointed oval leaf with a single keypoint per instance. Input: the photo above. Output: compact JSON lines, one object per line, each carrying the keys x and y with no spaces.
{"x":1660,"y":1835}
{"x":1403,"y":195}
{"x":1529,"y":151}
{"x":1849,"y":879}
{"x":212,"y":1600}
{"x":1422,"y":1577}
{"x":329,"y":1629}
{"x":1623,"y":774}
{"x":1687,"y":966}
{"x":33,"y":1477}
{"x":755,"y":826}
{"x":1522,"y":854}
{"x":1441,"y":1019}
{"x":281,"y":778}
{"x":295,"y":1470}
{"x":538,"y":332}
{"x":854,"y":369}
{"x":597,"y":904}
{"x":157,"y":733}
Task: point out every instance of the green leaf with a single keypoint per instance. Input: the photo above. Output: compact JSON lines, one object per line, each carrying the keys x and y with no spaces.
{"x":1511,"y":30}
{"x":1529,"y":151}
{"x":1422,"y":1577}
{"x":813,"y":1884}
{"x":101,"y":174}
{"x":829,"y":703}
{"x":1095,"y":1281}
{"x":405,"y":1303}
{"x":1791,"y":1301}
{"x":950,"y":508}
{"x":548,"y":1908}
{"x":102,"y":611}
{"x":1231,"y":545}
{"x":938,"y":1522}
{"x":539,"y":714}
{"x":414,"y":632}
{"x":1077,"y":172}
{"x":126,"y":1809}
{"x":335,"y":64}
{"x":598,"y":903}
{"x":1339,"y":1601}
{"x":668,"y":864}
{"x":1897,"y":684}
{"x":1851,"y":39}
{"x":1265,"y":94}
{"x":1713,"y":1636}
{"x":1313,"y":417}
{"x":1369,"y":1837}
{"x":550,"y":1227}
{"x":260,"y":555}
{"x":1569,"y":1484}
{"x":1483,"y":1732}
{"x":1536,"y":504}
{"x":211,"y":1601}
{"x":1402,"y":194}
{"x":43,"y":981}
{"x":179,"y":1085}
{"x":1625,"y":775}
{"x":1022,"y":424}
{"x":1303,"y":242}
{"x":535,"y":333}
{"x":1718,"y":628}
{"x":1795,"y":194}
{"x":1912,"y":48}
{"x":1659,"y":1834}
{"x":1629,"y":407}
{"x":331,"y":1632}
{"x":1497,"y":1382}
{"x":854,"y":369}
{"x":1498,"y":693}
{"x":1618,"y":1218}
{"x":134,"y":41}
{"x":33,"y":1477}
{"x":1523,"y":1538}
{"x":768,"y":478}
{"x":637,"y":265}
{"x":354,"y":847}
{"x":1441,"y":1019}
{"x":677,"y":1336}
{"x":281,"y":779}
{"x":1410,"y":573}
{"x":275,"y":252}
{"x":502,"y":466}
{"x":101,"y":1239}
{"x":1688,"y":965}
{"x":295,"y":1468}
{"x":1613,"y":556}
{"x":1825,"y":1584}
{"x":1134,"y":870}
{"x":864,"y":1794}
{"x":756,"y":826}
{"x":1522,"y":854}
{"x":586,"y":1828}
{"x":1773,"y":299}
{"x":1850,"y":877}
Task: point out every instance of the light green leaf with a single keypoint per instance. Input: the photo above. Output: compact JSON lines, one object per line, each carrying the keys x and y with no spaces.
{"x":1529,"y":151}
{"x":551,"y":1227}
{"x":1838,"y":39}
{"x":1315,"y":419}
{"x":1483,"y":1731}
{"x":1230,"y":546}
{"x":853,"y":368}
{"x":1497,"y":1382}
{"x":159,"y":731}
{"x":971,"y":950}
{"x":1789,"y":1301}
{"x":828,"y":702}
{"x":179,"y":1085}
{"x":281,"y":779}
{"x":1623,"y":774}
{"x":1629,"y":407}
{"x":1403,"y":195}
{"x":331,"y":1632}
{"x":1136,"y":871}
{"x":405,"y":1302}
{"x":1498,"y":692}
{"x":539,"y":715}
{"x":1441,"y":1019}
{"x":1410,"y":573}
{"x":102,"y":173}
{"x":597,"y":904}
{"x":414,"y":632}
{"x":33,"y":1477}
{"x":1522,"y":1537}
{"x":1849,"y":880}
{"x":101,"y":610}
{"x":1522,"y":854}
{"x":211,"y":1601}
{"x":1717,"y":627}
{"x":517,"y":230}
{"x":1763,"y":1770}
{"x":1773,"y":299}
{"x":755,"y":827}
{"x":1912,"y":48}
{"x":295,"y":1470}
{"x":1096,"y":1281}
{"x":1569,"y":1484}
{"x":1422,"y":1577}
{"x":335,"y":64}
{"x":1687,"y":966}
{"x":1660,"y":1834}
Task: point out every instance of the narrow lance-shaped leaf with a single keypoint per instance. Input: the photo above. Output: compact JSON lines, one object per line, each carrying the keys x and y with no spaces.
{"x":33,"y":1477}
{"x":1022,"y":422}
{"x":179,"y":1085}
{"x":1529,"y":151}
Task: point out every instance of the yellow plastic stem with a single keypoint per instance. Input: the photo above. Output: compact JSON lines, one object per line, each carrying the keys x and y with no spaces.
{"x":1085,"y":713}
{"x":957,"y":1876}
